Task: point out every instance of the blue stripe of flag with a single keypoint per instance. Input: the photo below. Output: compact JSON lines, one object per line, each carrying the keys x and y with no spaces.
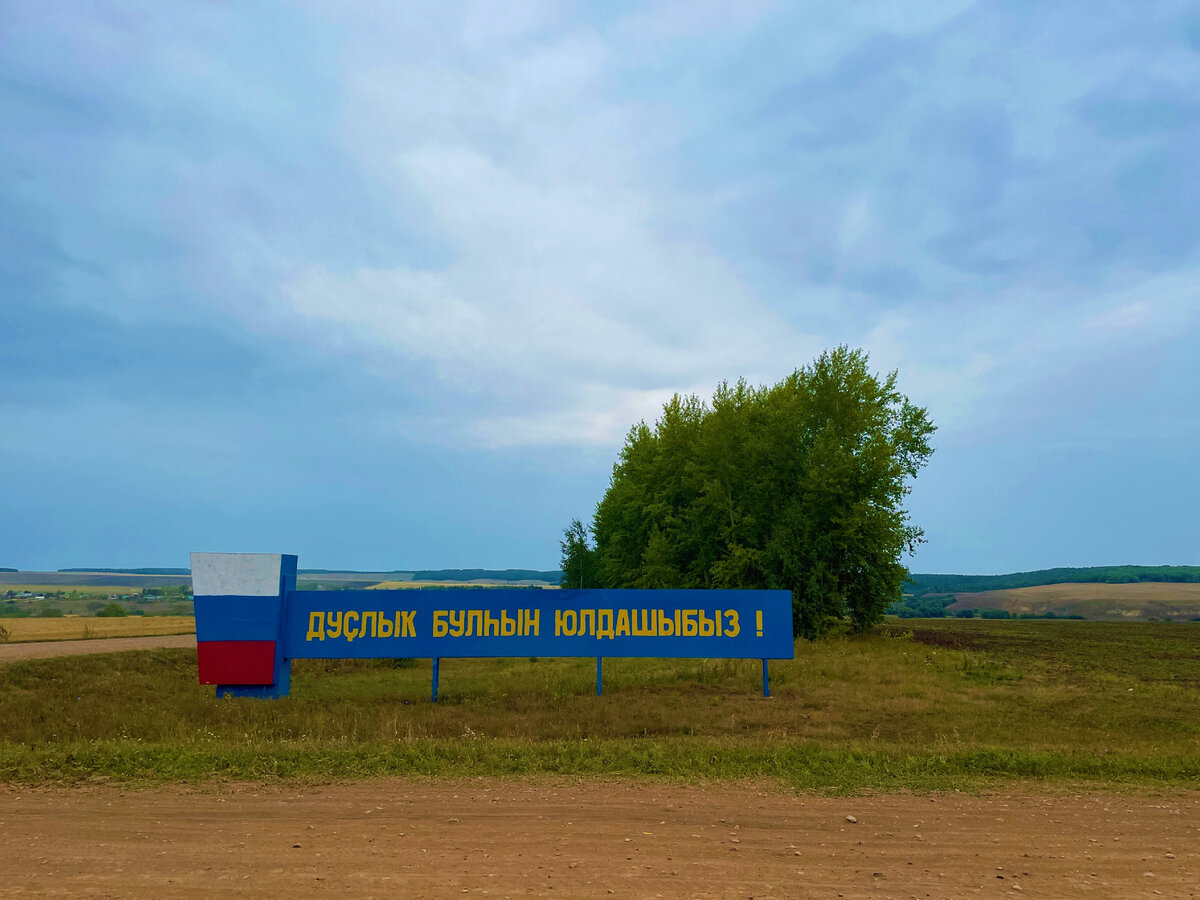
{"x":233,"y":618}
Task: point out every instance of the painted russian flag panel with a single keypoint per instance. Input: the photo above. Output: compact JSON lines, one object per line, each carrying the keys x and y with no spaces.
{"x":236,"y":662}
{"x":239,"y":615}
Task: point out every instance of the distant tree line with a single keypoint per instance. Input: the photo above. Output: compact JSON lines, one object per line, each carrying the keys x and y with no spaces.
{"x":929,"y":606}
{"x":491,"y":574}
{"x":473,"y":587}
{"x":798,"y":486}
{"x":353,"y":572}
{"x":551,"y":576}
{"x":934,"y":606}
{"x":919,"y":584}
{"x":99,"y":570}
{"x":1005,"y":614}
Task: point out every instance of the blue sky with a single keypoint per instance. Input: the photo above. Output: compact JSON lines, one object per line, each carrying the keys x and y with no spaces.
{"x":385,"y":284}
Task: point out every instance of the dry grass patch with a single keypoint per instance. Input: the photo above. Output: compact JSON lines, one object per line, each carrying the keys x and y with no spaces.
{"x":74,"y":628}
{"x":927,"y":704}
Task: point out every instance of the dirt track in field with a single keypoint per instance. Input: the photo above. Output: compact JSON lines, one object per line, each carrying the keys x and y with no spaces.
{"x":398,"y":838}
{"x":47,"y":649}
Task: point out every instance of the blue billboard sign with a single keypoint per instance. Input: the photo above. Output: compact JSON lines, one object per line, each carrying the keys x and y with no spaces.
{"x":521,"y":622}
{"x":250,"y":621}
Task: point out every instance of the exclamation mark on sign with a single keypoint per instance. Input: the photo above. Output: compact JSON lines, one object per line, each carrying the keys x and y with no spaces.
{"x":758,"y":622}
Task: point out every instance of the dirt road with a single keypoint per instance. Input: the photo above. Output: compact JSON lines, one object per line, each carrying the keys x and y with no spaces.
{"x":400,"y":838}
{"x":46,"y":649}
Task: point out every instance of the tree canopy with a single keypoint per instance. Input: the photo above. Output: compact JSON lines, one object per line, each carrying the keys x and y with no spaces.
{"x":799,"y":485}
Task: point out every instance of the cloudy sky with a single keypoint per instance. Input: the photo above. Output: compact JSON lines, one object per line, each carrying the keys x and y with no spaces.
{"x":385,"y":284}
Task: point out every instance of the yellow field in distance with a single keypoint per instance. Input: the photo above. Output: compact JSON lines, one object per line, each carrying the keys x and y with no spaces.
{"x":73,"y":628}
{"x":397,"y":585}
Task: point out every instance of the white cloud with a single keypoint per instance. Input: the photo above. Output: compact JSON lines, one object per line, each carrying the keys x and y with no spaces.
{"x":1022,"y":356}
{"x":567,"y":305}
{"x":600,"y":422}
{"x":575,"y":281}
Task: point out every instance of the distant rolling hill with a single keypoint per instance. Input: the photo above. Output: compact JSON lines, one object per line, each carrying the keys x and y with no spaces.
{"x":1097,"y":592}
{"x":922,"y":584}
{"x":1112,"y":602}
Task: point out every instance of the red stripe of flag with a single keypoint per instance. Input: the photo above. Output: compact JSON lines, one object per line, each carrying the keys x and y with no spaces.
{"x":236,"y":662}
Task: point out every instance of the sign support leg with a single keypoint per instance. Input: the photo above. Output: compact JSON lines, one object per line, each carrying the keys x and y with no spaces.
{"x":766,"y":681}
{"x":433,"y":694}
{"x":599,"y":674}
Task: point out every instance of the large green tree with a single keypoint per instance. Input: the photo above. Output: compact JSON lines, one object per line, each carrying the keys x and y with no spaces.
{"x":799,"y":485}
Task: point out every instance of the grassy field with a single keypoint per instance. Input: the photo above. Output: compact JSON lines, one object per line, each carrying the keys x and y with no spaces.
{"x":106,"y":580}
{"x":1112,"y":602}
{"x":81,"y":627}
{"x":926,"y":704}
{"x":86,"y":600}
{"x":98,"y":590}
